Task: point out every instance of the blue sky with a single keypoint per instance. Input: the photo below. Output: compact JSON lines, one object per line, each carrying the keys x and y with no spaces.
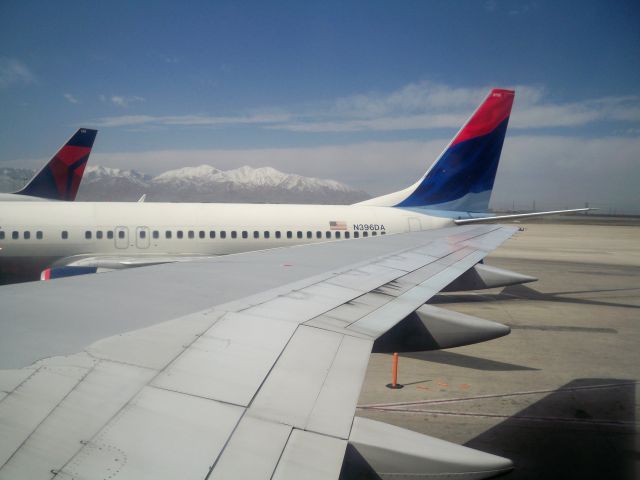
{"x":363,"y":92}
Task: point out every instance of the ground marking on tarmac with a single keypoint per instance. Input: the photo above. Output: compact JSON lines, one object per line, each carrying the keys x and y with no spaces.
{"x":374,"y":406}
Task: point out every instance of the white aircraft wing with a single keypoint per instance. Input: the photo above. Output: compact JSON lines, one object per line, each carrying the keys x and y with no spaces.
{"x":244,"y":366}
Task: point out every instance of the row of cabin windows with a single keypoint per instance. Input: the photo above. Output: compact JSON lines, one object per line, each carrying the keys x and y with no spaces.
{"x":168,"y":234}
{"x":26,"y":235}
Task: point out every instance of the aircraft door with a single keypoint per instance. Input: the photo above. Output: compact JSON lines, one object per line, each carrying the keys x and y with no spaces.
{"x":142,"y":237}
{"x":414,"y":224}
{"x":122,"y":237}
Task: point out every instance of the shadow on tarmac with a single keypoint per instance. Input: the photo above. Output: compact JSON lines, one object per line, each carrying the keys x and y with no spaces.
{"x":585,"y":430}
{"x":522,"y":292}
{"x":466,"y":361}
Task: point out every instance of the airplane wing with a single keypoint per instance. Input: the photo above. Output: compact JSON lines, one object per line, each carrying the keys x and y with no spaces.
{"x":517,"y":216}
{"x":87,"y":264}
{"x":242,"y":366}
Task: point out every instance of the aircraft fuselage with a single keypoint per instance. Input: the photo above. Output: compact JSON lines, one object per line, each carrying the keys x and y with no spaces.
{"x":34,"y":235}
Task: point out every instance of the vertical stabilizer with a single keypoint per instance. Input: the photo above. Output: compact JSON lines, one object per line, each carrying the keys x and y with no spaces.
{"x":60,"y":178}
{"x":462,"y":177}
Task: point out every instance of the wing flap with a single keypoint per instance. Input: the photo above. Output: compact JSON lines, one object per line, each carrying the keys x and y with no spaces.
{"x":310,"y":456}
{"x":31,"y":402}
{"x":159,"y":435}
{"x":259,"y":440}
{"x":292,"y":387}
{"x":104,"y":391}
{"x":335,"y":406}
{"x":229,"y":361}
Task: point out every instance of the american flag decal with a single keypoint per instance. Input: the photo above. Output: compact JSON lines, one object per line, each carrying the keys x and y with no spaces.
{"x":335,"y":225}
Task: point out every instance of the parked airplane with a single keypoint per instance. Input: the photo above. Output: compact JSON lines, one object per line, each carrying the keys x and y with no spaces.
{"x":60,"y":178}
{"x":63,"y":239}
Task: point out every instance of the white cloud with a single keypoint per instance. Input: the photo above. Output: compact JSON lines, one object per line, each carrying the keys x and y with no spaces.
{"x":425,"y":106}
{"x":188,"y":120}
{"x":14,"y":72}
{"x":416,"y":106}
{"x":70,"y":98}
{"x":122,"y":101}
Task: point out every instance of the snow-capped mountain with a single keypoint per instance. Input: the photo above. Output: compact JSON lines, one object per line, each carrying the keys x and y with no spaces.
{"x":204,"y":183}
{"x":98,"y":173}
{"x":248,"y":177}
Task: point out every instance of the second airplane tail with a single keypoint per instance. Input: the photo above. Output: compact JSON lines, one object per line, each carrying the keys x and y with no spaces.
{"x":60,"y":178}
{"x":462,"y":177}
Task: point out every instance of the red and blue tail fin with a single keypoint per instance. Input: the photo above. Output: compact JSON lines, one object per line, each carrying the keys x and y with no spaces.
{"x":60,"y":178}
{"x":462,"y":178}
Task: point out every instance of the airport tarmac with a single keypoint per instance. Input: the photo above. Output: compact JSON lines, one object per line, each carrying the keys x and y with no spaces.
{"x":559,"y":395}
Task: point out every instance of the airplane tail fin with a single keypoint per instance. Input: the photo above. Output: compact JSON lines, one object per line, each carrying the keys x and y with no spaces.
{"x":462,"y":177}
{"x":60,"y":178}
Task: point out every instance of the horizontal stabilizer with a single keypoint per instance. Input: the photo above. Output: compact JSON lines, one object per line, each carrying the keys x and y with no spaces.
{"x":433,"y":328}
{"x":394,"y":452}
{"x":483,"y":276}
{"x":516,"y":216}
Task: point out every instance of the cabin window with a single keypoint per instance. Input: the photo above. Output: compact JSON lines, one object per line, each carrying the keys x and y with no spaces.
{"x":289,"y":234}
{"x":180,"y":234}
{"x":15,"y":235}
{"x":365,"y":234}
{"x":201,"y":234}
{"x":256,"y":234}
{"x":121,"y":234}
{"x":99,"y":234}
{"x":223,"y":234}
{"x":309,"y":235}
{"x":327,"y":234}
{"x":383,"y":233}
{"x":87,"y":234}
{"x":65,"y":235}
{"x":373,"y":234}
{"x":299,"y":234}
{"x":110,"y":235}
{"x":39,"y":235}
{"x":1,"y":235}
{"x":192,"y":234}
{"x":266,"y":234}
{"x":212,"y":234}
{"x":167,"y":234}
{"x":278,"y":234}
{"x":337,"y":234}
{"x":347,"y":234}
{"x":143,"y":234}
{"x":234,"y":234}
{"x":318,"y":234}
{"x":156,"y":234}
{"x":356,"y":234}
{"x":245,"y":234}
{"x":27,"y":235}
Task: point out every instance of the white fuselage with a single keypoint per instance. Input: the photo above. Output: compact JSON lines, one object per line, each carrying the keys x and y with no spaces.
{"x":40,"y":233}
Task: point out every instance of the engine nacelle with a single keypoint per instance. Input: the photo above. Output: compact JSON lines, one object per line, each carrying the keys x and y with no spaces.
{"x":482,"y":276}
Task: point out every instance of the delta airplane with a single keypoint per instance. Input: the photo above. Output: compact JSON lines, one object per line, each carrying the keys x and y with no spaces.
{"x":60,"y":239}
{"x":60,"y":178}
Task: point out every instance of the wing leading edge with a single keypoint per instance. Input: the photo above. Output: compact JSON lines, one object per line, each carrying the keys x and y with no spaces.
{"x":262,"y":386}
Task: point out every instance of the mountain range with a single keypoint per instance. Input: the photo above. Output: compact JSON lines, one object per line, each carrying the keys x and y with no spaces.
{"x":204,"y":183}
